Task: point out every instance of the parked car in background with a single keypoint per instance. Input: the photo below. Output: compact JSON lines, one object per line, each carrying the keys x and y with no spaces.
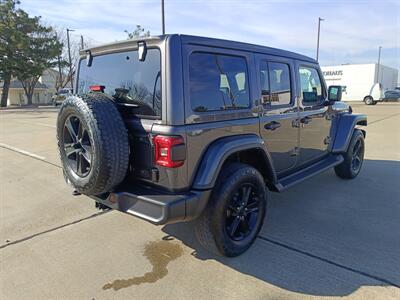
{"x":60,"y":96}
{"x":392,"y":95}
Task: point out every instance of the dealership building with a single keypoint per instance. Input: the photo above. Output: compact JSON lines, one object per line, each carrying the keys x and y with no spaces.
{"x":361,"y":80}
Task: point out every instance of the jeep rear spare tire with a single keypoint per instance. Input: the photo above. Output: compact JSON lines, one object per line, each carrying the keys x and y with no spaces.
{"x":93,"y":143}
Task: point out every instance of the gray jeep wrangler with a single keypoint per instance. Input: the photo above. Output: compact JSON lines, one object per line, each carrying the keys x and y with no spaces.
{"x":175,"y":128}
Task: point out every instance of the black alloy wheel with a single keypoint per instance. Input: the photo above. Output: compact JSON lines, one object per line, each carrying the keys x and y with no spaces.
{"x":242,"y":212}
{"x":235,"y":212}
{"x":358,"y":155}
{"x":77,"y":146}
{"x":93,"y":143}
{"x":353,"y":158}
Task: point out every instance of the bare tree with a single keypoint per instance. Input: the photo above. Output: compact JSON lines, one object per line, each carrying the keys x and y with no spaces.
{"x":65,"y":74}
{"x":139,"y":31}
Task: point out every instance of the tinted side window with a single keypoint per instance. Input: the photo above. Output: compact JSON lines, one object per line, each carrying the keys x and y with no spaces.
{"x":218,"y":82}
{"x":264,"y":82}
{"x":279,"y":76}
{"x":311,"y":87}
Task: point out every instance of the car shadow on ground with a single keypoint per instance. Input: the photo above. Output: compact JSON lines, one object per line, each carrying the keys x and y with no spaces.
{"x":326,"y":236}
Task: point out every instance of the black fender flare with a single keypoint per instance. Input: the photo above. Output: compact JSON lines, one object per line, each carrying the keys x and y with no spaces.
{"x":345,"y":129}
{"x":219,"y":150}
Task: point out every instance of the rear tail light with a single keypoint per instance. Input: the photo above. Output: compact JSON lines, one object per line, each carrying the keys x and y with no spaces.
{"x":170,"y":151}
{"x":97,"y":88}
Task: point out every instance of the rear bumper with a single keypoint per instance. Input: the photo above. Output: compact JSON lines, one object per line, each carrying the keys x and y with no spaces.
{"x":156,"y":207}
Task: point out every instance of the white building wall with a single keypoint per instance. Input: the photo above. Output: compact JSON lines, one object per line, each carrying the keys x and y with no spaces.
{"x":48,"y":78}
{"x":17,"y":97}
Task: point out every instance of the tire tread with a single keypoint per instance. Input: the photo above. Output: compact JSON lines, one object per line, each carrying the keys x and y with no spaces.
{"x":343,"y":170}
{"x":111,"y":135}
{"x":205,"y":224}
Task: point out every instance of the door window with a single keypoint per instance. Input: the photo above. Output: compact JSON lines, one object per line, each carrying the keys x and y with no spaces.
{"x":312,"y":90}
{"x":218,"y":82}
{"x":275,"y":83}
{"x":279,"y":77}
{"x":264,"y":83}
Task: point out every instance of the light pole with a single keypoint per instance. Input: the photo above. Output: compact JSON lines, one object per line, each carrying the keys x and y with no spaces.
{"x":162,"y":17}
{"x":379,"y":63}
{"x":69,"y":57}
{"x":319,"y":30}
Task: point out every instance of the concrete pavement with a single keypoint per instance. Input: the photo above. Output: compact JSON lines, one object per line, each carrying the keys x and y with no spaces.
{"x":326,"y":238}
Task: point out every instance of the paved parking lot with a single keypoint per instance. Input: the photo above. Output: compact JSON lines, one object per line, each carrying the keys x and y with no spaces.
{"x":325,"y":238}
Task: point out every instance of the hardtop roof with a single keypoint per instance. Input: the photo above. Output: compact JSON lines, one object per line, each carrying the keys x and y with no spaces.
{"x":207,"y":41}
{"x":199,"y":40}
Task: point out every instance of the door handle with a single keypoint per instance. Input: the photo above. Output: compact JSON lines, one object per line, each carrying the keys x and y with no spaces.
{"x":305,"y":120}
{"x":272,"y":125}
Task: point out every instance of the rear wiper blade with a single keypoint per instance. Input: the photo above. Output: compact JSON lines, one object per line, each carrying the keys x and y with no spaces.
{"x":122,"y":94}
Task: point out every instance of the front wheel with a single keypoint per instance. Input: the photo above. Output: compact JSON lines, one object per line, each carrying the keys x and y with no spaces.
{"x":369,"y":100}
{"x":353,"y":158}
{"x":235,"y":212}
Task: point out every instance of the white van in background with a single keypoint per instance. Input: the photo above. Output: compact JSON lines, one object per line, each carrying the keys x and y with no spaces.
{"x":361,"y":82}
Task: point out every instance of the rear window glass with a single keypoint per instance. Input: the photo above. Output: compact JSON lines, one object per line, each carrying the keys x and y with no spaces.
{"x":126,"y":79}
{"x":218,"y":82}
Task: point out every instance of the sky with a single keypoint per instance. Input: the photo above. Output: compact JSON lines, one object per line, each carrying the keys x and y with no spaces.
{"x":351,"y":32}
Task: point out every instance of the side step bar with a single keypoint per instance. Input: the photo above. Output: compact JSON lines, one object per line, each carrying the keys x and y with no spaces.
{"x":316,"y":168}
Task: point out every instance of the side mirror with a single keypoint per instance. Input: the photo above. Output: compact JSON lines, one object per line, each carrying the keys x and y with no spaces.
{"x":335,"y":93}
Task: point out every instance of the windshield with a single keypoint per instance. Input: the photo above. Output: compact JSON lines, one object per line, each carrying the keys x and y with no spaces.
{"x":127,"y":79}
